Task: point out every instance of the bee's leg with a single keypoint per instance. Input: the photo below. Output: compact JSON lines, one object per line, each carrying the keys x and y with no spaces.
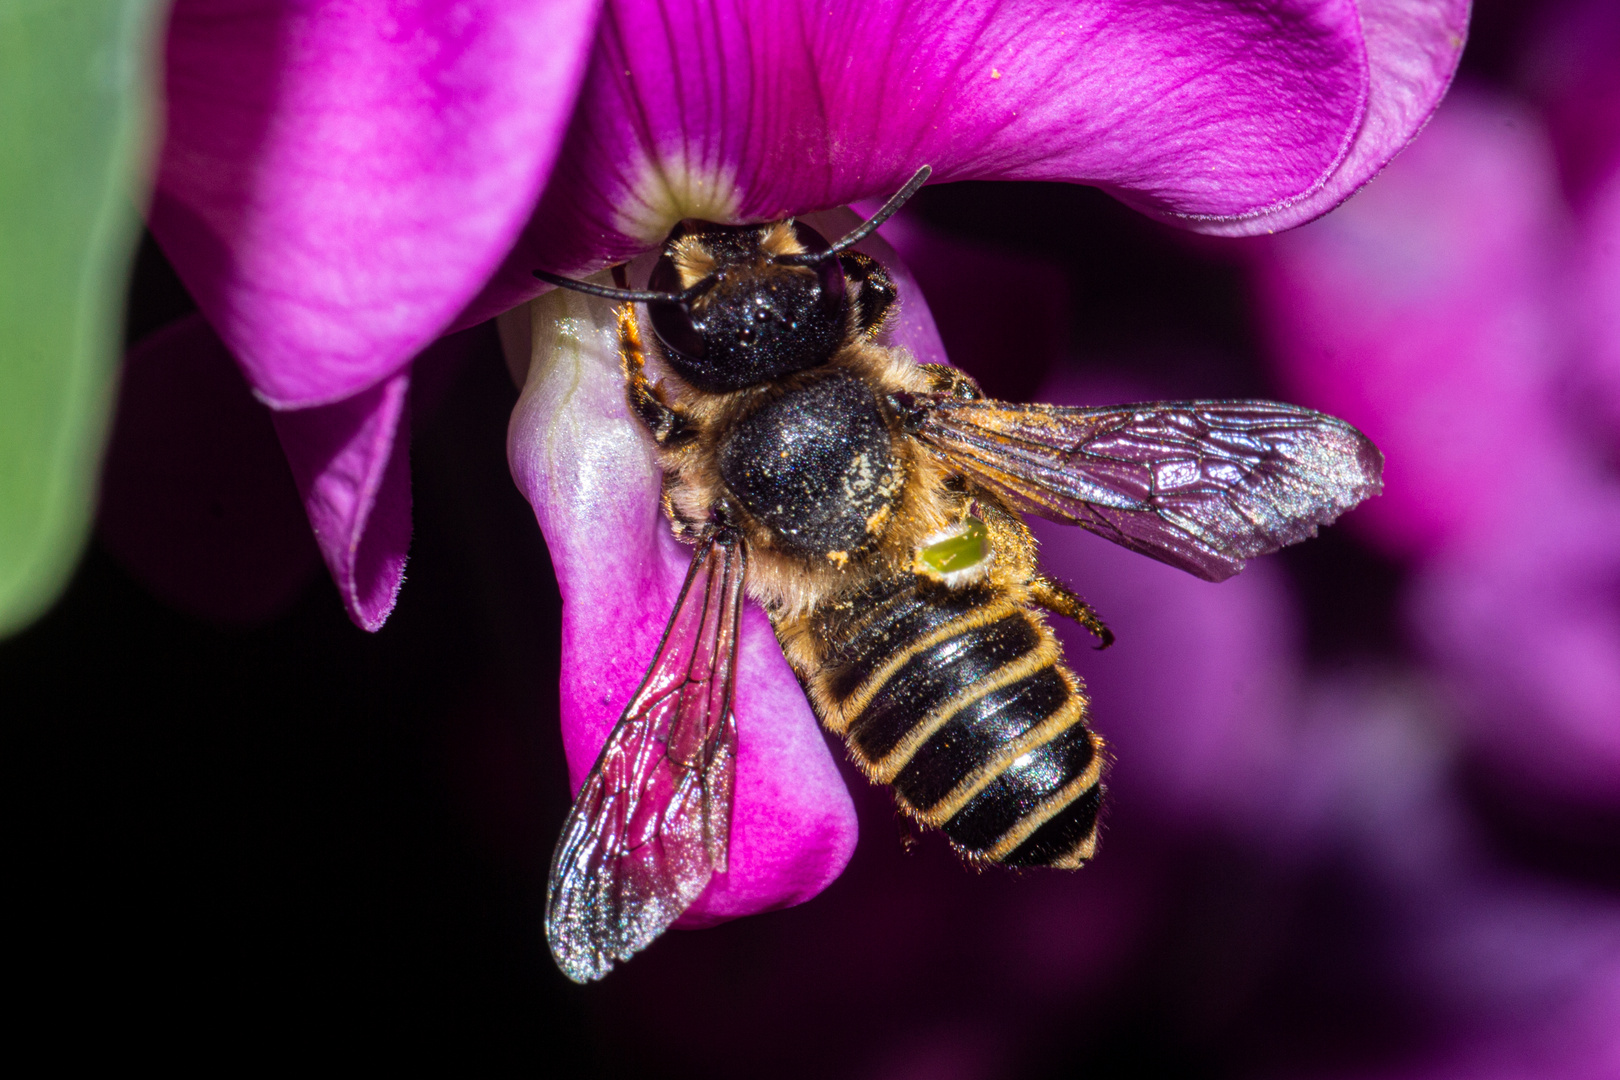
{"x":668,"y":425}
{"x":1060,"y":600}
{"x":907,"y":830}
{"x":944,"y":379}
{"x":686,"y":529}
{"x":877,"y":290}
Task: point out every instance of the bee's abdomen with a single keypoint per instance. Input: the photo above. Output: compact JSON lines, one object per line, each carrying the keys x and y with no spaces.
{"x":959,"y":700}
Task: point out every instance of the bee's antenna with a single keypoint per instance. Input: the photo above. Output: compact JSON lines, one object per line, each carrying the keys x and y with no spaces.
{"x":635,"y":296}
{"x":866,"y":228}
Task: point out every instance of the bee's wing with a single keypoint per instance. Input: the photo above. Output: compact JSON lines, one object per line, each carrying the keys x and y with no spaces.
{"x":1201,"y":485}
{"x":651,"y":824}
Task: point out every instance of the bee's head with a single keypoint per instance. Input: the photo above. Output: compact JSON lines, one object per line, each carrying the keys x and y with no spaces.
{"x":738,"y":305}
{"x":743,"y":316}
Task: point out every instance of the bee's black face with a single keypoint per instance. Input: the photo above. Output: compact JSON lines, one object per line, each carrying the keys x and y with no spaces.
{"x":759,"y":320}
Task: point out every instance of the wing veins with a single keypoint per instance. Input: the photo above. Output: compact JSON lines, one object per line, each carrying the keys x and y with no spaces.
{"x":652,"y":821}
{"x":1201,"y":485}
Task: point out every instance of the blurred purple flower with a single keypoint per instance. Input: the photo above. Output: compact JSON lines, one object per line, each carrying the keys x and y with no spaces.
{"x":1448,"y":310}
{"x":341,"y":184}
{"x":1507,"y":975}
{"x":1424,"y":311}
{"x":1463,"y":310}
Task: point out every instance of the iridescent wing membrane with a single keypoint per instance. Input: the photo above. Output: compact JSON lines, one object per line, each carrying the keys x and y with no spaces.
{"x":1201,"y":485}
{"x":652,"y":822}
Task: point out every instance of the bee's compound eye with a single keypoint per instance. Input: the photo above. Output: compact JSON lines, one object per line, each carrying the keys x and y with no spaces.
{"x":671,"y":322}
{"x":829,"y":274}
{"x":811,"y":240}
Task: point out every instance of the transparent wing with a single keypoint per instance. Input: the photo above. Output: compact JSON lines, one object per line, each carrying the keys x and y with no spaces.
{"x":652,"y":822}
{"x":1201,"y":485}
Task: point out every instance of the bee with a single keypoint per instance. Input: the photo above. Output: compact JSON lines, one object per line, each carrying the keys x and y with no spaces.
{"x":874,"y":508}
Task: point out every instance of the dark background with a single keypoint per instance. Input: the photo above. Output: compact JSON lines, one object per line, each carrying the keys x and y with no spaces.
{"x":298,"y":840}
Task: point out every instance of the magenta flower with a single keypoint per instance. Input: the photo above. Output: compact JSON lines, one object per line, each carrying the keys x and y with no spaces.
{"x":340,"y":187}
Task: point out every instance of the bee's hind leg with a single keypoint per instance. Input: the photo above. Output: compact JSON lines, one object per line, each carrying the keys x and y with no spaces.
{"x":1060,"y":600}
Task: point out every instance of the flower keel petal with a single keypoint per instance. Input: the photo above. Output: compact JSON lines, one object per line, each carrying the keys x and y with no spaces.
{"x":592,"y":478}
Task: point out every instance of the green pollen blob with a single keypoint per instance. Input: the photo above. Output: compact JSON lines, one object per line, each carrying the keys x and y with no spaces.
{"x":965,"y":550}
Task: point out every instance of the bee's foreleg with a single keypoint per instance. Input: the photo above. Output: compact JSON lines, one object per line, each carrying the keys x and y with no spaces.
{"x":877,"y":294}
{"x":1060,"y":600}
{"x":668,"y":424}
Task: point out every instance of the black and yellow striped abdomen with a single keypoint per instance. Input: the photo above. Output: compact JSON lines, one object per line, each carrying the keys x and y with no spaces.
{"x":959,"y":699}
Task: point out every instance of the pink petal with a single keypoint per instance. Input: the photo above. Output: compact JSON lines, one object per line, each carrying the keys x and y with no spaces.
{"x":1422,"y":313}
{"x":339,"y":178}
{"x":590,"y":472}
{"x":737,"y":111}
{"x":1412,"y":49}
{"x":351,"y":461}
{"x":196,"y":499}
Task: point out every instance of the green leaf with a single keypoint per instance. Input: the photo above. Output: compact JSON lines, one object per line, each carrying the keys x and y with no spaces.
{"x":78,"y":109}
